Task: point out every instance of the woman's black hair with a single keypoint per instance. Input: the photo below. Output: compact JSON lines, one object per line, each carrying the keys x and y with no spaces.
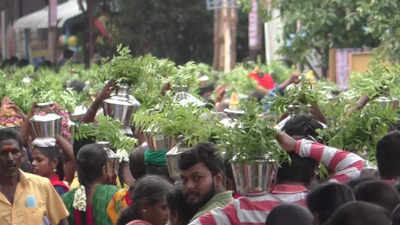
{"x":177,"y":204}
{"x":53,"y":153}
{"x":90,"y":162}
{"x":136,"y":162}
{"x":148,"y":190}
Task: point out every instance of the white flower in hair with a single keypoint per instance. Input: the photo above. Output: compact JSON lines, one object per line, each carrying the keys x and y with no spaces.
{"x":122,"y":155}
{"x":80,"y":199}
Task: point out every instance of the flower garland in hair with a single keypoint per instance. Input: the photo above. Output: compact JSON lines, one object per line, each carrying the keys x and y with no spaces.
{"x":80,"y":199}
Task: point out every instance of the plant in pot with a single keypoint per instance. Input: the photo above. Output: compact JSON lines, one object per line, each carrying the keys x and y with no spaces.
{"x":175,"y":128}
{"x":191,"y":123}
{"x":108,"y":130}
{"x":126,"y":72}
{"x":254,"y":151}
{"x":297,"y":100}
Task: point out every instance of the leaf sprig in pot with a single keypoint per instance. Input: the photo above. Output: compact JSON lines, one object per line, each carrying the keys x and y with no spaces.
{"x":123,"y":68}
{"x":297,"y":99}
{"x":254,"y":151}
{"x":106,"y":130}
{"x":252,"y":137}
{"x":193,"y":124}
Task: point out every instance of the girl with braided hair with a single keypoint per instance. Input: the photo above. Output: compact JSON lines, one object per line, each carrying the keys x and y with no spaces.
{"x":87,"y":204}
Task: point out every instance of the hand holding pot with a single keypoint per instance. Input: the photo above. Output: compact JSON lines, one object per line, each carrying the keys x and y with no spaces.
{"x":106,"y":92}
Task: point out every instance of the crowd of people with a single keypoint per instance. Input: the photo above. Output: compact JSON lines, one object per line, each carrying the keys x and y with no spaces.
{"x":54,"y":181}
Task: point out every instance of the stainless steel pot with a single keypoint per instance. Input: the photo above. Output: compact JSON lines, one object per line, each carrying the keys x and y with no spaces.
{"x":173,"y":157}
{"x":157,"y":142}
{"x":78,"y":113}
{"x":121,"y":106}
{"x":48,"y":125}
{"x":386,"y":102}
{"x":254,"y":178}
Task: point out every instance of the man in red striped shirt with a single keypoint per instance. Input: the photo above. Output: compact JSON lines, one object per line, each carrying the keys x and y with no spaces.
{"x":292,"y":179}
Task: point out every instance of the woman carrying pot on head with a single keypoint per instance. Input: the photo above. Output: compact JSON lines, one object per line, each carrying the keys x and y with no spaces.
{"x":48,"y":162}
{"x":149,"y":205}
{"x":88,"y":203}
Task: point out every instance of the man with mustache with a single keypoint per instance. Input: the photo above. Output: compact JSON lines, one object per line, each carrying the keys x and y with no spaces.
{"x":204,"y":179}
{"x":25,"y":199}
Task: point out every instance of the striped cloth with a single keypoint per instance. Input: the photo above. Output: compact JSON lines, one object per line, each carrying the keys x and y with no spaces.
{"x":346,"y":165}
{"x":255,"y":209}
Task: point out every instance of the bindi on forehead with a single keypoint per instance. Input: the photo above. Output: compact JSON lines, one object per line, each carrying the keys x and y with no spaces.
{"x":8,"y":148}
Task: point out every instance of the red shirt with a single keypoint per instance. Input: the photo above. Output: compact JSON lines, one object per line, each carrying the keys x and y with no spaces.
{"x":266,"y":81}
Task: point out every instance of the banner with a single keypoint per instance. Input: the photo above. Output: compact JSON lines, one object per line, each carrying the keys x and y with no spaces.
{"x":254,"y":42}
{"x":52,"y":13}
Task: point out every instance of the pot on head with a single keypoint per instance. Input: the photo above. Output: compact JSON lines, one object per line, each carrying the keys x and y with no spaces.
{"x":159,"y":142}
{"x":48,"y":125}
{"x":121,"y":106}
{"x":254,"y":177}
{"x":173,"y":156}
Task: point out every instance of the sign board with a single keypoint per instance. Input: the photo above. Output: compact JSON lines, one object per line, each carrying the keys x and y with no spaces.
{"x":254,"y":42}
{"x":52,"y":13}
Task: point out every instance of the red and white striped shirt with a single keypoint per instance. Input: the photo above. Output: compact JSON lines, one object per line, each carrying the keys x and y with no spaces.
{"x":253,"y":210}
{"x":346,"y":165}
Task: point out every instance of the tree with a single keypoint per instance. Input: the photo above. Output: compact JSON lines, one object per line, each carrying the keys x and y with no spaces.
{"x":177,"y":29}
{"x":383,"y":19}
{"x":312,"y":27}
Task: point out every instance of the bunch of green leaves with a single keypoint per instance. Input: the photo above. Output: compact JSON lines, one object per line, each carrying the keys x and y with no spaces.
{"x":19,"y":92}
{"x":238,"y":81}
{"x":361,"y":131}
{"x":154,"y":76}
{"x":186,"y":77}
{"x":106,"y":129}
{"x":379,"y":80}
{"x":252,"y":138}
{"x":122,"y":67}
{"x":300,"y":96}
{"x":383,"y":22}
{"x":193,"y":124}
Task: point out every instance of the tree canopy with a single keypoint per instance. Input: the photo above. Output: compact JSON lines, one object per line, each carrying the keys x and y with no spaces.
{"x":315,"y":26}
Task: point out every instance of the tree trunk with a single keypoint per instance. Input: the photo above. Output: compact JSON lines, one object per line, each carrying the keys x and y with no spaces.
{"x":217,"y":29}
{"x":225,"y":29}
{"x":234,"y":23}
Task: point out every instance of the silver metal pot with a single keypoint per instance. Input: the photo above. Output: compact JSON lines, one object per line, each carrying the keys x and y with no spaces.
{"x":157,"y":142}
{"x":48,"y":125}
{"x":78,"y":113}
{"x":254,"y":178}
{"x":121,"y":106}
{"x":386,"y":102}
{"x":173,"y":157}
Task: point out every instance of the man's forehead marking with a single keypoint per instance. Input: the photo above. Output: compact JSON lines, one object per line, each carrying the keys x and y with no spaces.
{"x":8,"y":147}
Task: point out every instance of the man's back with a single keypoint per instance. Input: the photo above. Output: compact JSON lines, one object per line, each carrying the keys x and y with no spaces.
{"x":254,"y":209}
